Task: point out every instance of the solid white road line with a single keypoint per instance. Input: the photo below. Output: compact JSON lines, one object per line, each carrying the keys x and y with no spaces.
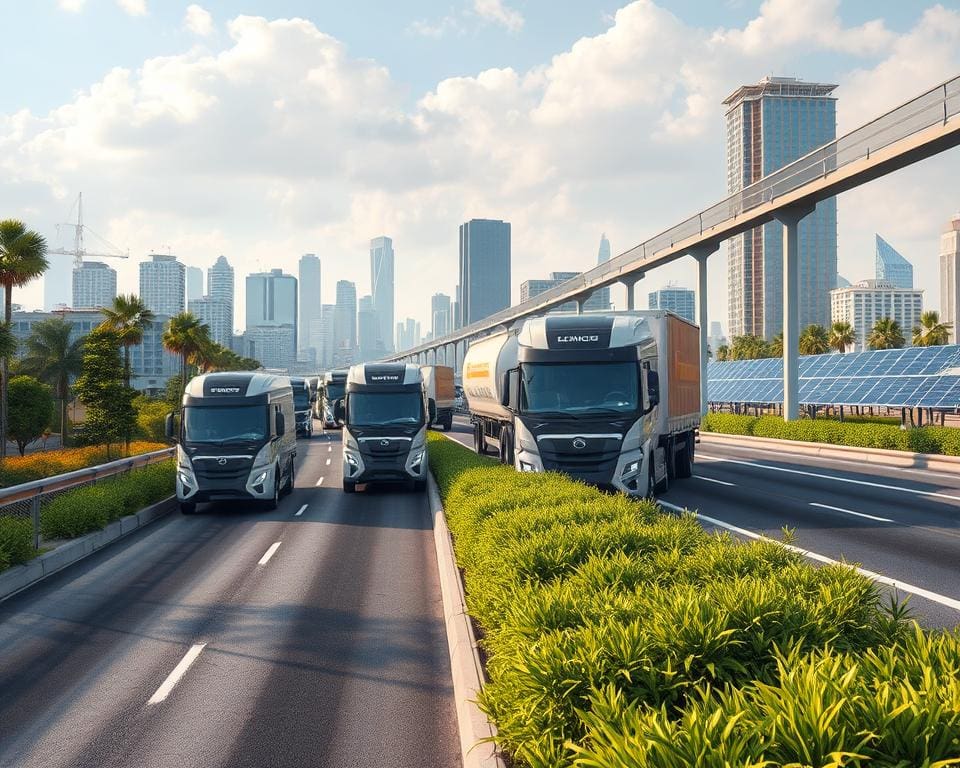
{"x":178,"y":671}
{"x":712,"y":480}
{"x":300,"y":511}
{"x":320,"y":481}
{"x":328,"y":462}
{"x":851,"y":512}
{"x":884,"y":486}
{"x":879,"y":578}
{"x":329,"y":449}
{"x":269,"y":553}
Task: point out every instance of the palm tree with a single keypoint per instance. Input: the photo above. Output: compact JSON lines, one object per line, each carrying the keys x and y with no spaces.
{"x":931,"y":332}
{"x":814,"y":340}
{"x":186,"y":336}
{"x":886,"y":334}
{"x":723,"y":352}
{"x":776,"y":346}
{"x":127,"y":318}
{"x":23,"y":256}
{"x":54,"y":359}
{"x":842,"y":336}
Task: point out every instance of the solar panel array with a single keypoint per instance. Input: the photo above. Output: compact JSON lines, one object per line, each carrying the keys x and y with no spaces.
{"x":916,"y":377}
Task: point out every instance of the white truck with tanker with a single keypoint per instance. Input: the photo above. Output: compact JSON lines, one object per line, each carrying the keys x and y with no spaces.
{"x":612,"y":399}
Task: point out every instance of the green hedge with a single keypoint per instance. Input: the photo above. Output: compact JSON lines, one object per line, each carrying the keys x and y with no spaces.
{"x":92,"y":507}
{"x":935,"y":440}
{"x":619,"y":636}
{"x":16,"y":541}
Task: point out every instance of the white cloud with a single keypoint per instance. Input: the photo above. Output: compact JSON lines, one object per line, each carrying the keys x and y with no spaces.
{"x":71,"y":6}
{"x":498,"y":13}
{"x":198,"y":20}
{"x":133,"y":7}
{"x":436,"y":29}
{"x":282,"y":143}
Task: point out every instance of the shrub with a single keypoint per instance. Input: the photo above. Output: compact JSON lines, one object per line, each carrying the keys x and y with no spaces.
{"x":34,"y":466}
{"x":16,"y":541}
{"x":611,"y":628}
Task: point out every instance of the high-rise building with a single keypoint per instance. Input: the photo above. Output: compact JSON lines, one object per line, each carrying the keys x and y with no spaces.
{"x":440,"y":324}
{"x":323,"y":336}
{"x":220,"y":292}
{"x":484,"y":269}
{"x":57,"y":286}
{"x":368,"y":332}
{"x":950,"y":277}
{"x":273,"y":345}
{"x":194,"y":283}
{"x":863,"y":304}
{"x":272,"y":304}
{"x":382,"y":288}
{"x":408,"y":334}
{"x":163,"y":284}
{"x":309,"y":301}
{"x":531,"y":288}
{"x":345,"y":324}
{"x":217,"y":315}
{"x":602,"y":295}
{"x":455,"y":309}
{"x":681,"y":301}
{"x":94,"y":285}
{"x":892,"y":267}
{"x":769,"y":125}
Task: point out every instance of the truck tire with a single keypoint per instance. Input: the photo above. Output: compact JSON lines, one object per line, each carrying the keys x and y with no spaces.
{"x":288,"y":488}
{"x":272,"y":503}
{"x":349,"y":486}
{"x":187,"y":507}
{"x":448,"y":422}
{"x":684,"y":459}
{"x":419,"y":486}
{"x":651,"y":483}
{"x":506,"y":446}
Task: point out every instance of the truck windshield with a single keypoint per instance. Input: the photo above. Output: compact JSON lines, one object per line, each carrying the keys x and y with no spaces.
{"x":301,"y":398}
{"x":580,"y":389}
{"x":335,"y":390}
{"x":379,"y":409}
{"x":224,"y":424}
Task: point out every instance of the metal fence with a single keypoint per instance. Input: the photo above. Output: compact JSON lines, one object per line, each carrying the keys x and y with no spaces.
{"x":28,"y":499}
{"x":933,"y":107}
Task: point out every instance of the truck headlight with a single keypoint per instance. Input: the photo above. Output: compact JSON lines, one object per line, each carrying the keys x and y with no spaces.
{"x":416,"y":459}
{"x":263,"y":457}
{"x":186,"y":479}
{"x":351,"y":442}
{"x":350,"y":459}
{"x":261,"y":478}
{"x":631,"y":469}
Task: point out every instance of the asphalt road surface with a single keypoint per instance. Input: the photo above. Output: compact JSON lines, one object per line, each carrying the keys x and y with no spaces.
{"x":899,"y":524}
{"x":309,"y":636}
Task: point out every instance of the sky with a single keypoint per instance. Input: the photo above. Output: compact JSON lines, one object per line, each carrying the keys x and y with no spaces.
{"x":265,"y":130}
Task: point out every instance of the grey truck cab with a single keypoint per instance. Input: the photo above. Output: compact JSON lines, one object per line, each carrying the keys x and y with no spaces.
{"x":332,"y":390}
{"x":302,"y":405}
{"x":384,"y":426}
{"x":236,"y":439}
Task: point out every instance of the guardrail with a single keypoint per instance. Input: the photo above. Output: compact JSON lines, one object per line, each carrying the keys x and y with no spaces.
{"x":27,"y":498}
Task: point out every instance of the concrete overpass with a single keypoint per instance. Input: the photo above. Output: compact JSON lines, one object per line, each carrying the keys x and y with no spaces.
{"x":920,"y":128}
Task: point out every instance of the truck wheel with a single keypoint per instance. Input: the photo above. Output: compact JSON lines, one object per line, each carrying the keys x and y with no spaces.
{"x":684,"y":458}
{"x":187,"y":507}
{"x":506,"y":446}
{"x":448,"y":423}
{"x":349,"y":487}
{"x":419,"y":486}
{"x":273,"y":503}
{"x":288,"y":489}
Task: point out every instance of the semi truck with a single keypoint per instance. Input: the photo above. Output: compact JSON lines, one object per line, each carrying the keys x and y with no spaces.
{"x":235,"y":439}
{"x":302,"y":405}
{"x":612,"y":399}
{"x":384,"y":426}
{"x":441,"y":394}
{"x":333,"y":387}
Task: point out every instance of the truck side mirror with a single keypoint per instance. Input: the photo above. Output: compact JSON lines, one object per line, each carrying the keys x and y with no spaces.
{"x":168,"y":427}
{"x":510,"y":392}
{"x":339,"y":411}
{"x":653,"y":388}
{"x":281,"y":424}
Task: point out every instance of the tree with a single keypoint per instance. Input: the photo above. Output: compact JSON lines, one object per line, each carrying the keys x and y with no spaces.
{"x":842,"y":336}
{"x":723,"y":353}
{"x":776,"y":346}
{"x":931,"y":332}
{"x":886,"y":334}
{"x":127,"y":318}
{"x":749,"y":347}
{"x":110,"y":412}
{"x":814,"y":340}
{"x":54,"y":359}
{"x":188,"y":337}
{"x":151,"y":417}
{"x":23,"y":257}
{"x":31,"y":410}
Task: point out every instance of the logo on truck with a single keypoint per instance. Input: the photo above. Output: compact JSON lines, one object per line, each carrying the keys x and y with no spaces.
{"x":224,"y":390}
{"x":579,"y":443}
{"x":574,"y":339}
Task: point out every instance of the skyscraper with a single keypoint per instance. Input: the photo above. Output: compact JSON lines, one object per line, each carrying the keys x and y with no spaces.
{"x":769,"y":125}
{"x":602,"y":295}
{"x":217,"y":315}
{"x":682,"y":301}
{"x":345,"y":324}
{"x":162,"y":284}
{"x":892,"y":267}
{"x":272,"y":304}
{"x":382,"y":288}
{"x":194,"y":283}
{"x":368,"y":334}
{"x":220,"y":288}
{"x":863,"y":304}
{"x":309,"y":301}
{"x":323,"y":336}
{"x":94,"y":285}
{"x":408,"y":334}
{"x":440,"y":315}
{"x":484,"y":269}
{"x":57,"y":287}
{"x":950,"y":276}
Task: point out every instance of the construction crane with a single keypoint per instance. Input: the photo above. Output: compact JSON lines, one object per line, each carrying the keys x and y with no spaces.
{"x":79,"y":251}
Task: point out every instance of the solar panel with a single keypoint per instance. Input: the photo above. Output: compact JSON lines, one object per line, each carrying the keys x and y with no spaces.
{"x":915,"y":377}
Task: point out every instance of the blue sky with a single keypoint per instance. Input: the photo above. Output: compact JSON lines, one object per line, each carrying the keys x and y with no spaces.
{"x":264,"y":138}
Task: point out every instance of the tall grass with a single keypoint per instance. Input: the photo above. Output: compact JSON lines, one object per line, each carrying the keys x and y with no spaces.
{"x":619,"y":636}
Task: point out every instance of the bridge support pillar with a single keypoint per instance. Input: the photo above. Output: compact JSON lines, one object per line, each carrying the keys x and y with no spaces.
{"x":630,"y":283}
{"x":790,"y":218}
{"x":701,"y":253}
{"x":579,"y":302}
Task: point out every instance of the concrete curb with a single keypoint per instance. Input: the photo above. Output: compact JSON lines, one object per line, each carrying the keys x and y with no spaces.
{"x":467,"y":671}
{"x":931,"y":461}
{"x":20,"y":577}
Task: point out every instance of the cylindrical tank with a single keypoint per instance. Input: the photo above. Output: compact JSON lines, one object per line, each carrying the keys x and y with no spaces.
{"x":483,"y":368}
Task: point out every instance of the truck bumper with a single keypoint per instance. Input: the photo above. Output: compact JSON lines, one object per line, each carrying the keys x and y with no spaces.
{"x":364,"y":468}
{"x":257,"y":485}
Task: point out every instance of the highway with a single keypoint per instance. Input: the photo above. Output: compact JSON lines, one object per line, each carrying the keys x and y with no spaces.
{"x":312,"y":635}
{"x":899,"y":524}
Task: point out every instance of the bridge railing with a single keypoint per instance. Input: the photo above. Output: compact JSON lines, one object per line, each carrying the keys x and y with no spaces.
{"x":935,"y":106}
{"x":27,"y":499}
